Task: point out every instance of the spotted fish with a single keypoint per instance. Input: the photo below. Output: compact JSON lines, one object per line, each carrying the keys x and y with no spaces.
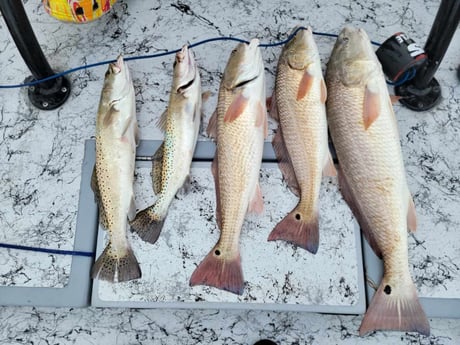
{"x":171,"y":162}
{"x":112,"y":180}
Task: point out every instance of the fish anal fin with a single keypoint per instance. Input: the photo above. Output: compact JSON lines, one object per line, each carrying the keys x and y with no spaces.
{"x":354,"y":206}
{"x":305,"y":85}
{"x":323,"y":96}
{"x":411,"y":216}
{"x":256,"y":205}
{"x":284,"y":162}
{"x":211,"y":130}
{"x":395,"y":309}
{"x":219,"y":271}
{"x":371,"y":109}
{"x":157,"y":167}
{"x":236,"y":108}
{"x":295,"y":229}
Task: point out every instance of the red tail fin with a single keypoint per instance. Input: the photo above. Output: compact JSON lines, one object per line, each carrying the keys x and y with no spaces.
{"x":219,"y":272}
{"x":395,"y":308}
{"x":293,"y":228}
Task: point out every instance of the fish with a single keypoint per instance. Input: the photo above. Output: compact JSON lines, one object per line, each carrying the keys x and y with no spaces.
{"x":239,"y":125}
{"x":301,"y":142}
{"x":113,"y":175}
{"x":171,"y":162}
{"x":372,"y":177}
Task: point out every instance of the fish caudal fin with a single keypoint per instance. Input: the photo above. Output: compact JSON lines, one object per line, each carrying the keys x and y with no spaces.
{"x":298,"y":231}
{"x":391,"y":309}
{"x":147,"y":225}
{"x":115,"y":268}
{"x":216,"y":271}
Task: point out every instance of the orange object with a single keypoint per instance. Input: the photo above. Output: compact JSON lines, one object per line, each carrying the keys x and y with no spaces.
{"x":77,"y":11}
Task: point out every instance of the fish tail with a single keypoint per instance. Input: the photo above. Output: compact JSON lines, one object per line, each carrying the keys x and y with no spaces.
{"x":147,"y":225}
{"x":395,"y":309}
{"x":113,"y":267}
{"x":216,"y":271}
{"x":301,"y":232}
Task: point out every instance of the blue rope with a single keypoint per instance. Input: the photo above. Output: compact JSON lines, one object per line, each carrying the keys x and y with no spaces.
{"x":157,"y":55}
{"x":46,"y":250}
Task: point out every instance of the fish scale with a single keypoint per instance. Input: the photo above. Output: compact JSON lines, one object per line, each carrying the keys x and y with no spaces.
{"x":365,"y":134}
{"x":301,"y":141}
{"x":239,"y":126}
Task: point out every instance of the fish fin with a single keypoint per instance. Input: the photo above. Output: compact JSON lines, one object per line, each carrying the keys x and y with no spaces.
{"x":157,"y":167}
{"x":323,"y":96}
{"x":391,"y":309}
{"x":329,"y":167}
{"x":236,"y":108}
{"x":371,"y":107}
{"x":136,"y":134}
{"x":205,"y":96}
{"x":256,"y":205}
{"x":261,"y":118}
{"x":161,"y":123}
{"x":186,"y":186}
{"x":305,"y":85}
{"x":111,"y":114}
{"x":147,"y":225}
{"x":215,"y":173}
{"x":115,"y":268}
{"x":95,"y":186}
{"x":273,"y":107}
{"x":394,"y":99}
{"x":212,"y":125}
{"x":224,"y":274}
{"x":411,"y":216}
{"x":300,"y":232}
{"x":284,"y":162}
{"x":354,"y":207}
{"x":132,"y":209}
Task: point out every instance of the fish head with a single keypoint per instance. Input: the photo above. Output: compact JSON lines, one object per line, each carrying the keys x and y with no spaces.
{"x":117,"y":78}
{"x":301,"y":50}
{"x":352,"y":44}
{"x":244,"y":65}
{"x":185,"y":71}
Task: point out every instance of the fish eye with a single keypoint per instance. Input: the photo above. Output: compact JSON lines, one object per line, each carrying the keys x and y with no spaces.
{"x":345,"y":39}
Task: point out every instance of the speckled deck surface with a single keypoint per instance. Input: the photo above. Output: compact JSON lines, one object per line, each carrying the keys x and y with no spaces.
{"x":42,"y":152}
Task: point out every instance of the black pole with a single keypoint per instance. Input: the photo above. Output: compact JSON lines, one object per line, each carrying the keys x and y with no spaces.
{"x":424,"y":92}
{"x":47,"y":95}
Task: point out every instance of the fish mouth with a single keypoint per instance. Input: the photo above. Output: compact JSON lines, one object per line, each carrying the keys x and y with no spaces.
{"x":185,"y":69}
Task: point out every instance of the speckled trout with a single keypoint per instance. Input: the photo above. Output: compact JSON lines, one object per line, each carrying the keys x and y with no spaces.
{"x":112,"y":181}
{"x":301,"y":142}
{"x":372,"y":176}
{"x":239,"y":125}
{"x":171,"y":162}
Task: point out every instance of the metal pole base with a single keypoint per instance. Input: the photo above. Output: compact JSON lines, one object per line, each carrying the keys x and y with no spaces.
{"x":419,"y":99}
{"x":49,"y":98}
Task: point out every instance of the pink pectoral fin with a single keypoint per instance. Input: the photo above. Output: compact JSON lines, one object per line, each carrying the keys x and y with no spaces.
{"x":305,"y":85}
{"x":212,"y":125}
{"x":236,"y":108}
{"x":323,"y":92}
{"x":371,"y":107}
{"x":261,"y":118}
